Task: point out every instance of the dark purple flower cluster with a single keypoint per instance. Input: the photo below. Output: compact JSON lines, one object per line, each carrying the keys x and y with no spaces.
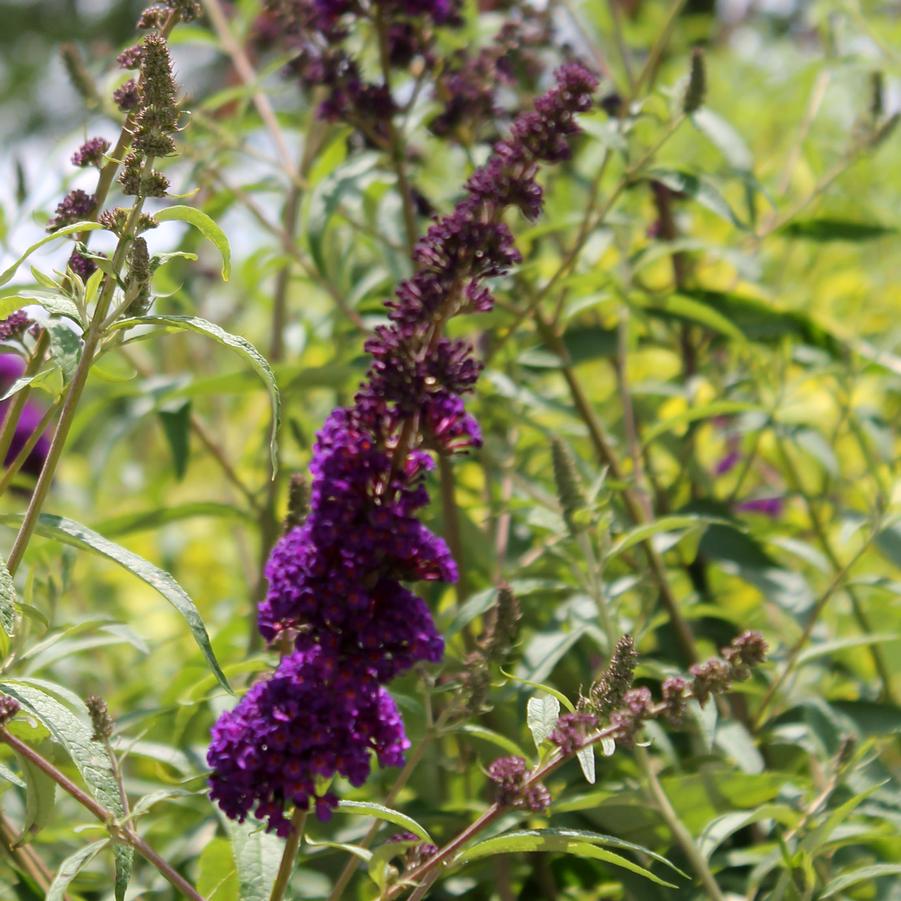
{"x":510,"y":775}
{"x":571,"y":730}
{"x":90,"y":153}
{"x":315,"y":30}
{"x":315,"y":717}
{"x":74,"y":207}
{"x":468,"y":83}
{"x":336,"y":579}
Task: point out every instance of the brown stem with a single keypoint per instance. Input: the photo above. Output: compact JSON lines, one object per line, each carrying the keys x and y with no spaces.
{"x":117,"y":831}
{"x":395,"y":146}
{"x":248,"y":76}
{"x":25,"y":858}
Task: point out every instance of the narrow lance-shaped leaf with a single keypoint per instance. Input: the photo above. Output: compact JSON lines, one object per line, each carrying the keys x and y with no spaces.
{"x":7,"y":274}
{"x":205,"y":225}
{"x":365,"y":808}
{"x":71,"y":867}
{"x":7,"y":600}
{"x":74,"y":533}
{"x":240,"y":345}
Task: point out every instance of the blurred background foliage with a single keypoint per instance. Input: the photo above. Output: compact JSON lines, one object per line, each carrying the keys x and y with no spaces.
{"x":779,"y":343}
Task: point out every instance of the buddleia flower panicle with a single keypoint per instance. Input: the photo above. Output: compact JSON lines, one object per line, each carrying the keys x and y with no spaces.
{"x":91,"y":153}
{"x":101,"y":721}
{"x":74,"y":207}
{"x":510,"y":775}
{"x":9,"y":707}
{"x":608,"y":692}
{"x":338,"y":579}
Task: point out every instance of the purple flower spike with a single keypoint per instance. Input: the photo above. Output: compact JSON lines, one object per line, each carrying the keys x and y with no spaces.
{"x":336,"y":578}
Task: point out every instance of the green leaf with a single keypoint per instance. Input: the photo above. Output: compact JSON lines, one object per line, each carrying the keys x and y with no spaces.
{"x":541,"y":716}
{"x":840,"y":644}
{"x":825,"y":229}
{"x":7,"y":774}
{"x":177,"y":429}
{"x":7,"y":274}
{"x":719,"y":829}
{"x":53,"y":303}
{"x":582,"y":844}
{"x":240,"y":345}
{"x":206,"y":226}
{"x":145,"y":520}
{"x":864,"y":874}
{"x":65,"y":347}
{"x":74,"y":533}
{"x":694,"y":414}
{"x":724,"y":137}
{"x":586,"y":762}
{"x":495,"y":738}
{"x":217,"y":877}
{"x":684,"y":308}
{"x":71,"y":867}
{"x":366,"y":808}
{"x":7,"y":601}
{"x":698,"y":189}
{"x":379,"y":868}
{"x":40,"y":793}
{"x":663,"y":524}
{"x":565,"y":701}
{"x":257,"y":858}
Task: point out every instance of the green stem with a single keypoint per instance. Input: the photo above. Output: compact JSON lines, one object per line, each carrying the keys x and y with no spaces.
{"x":19,"y":461}
{"x":11,"y":420}
{"x":798,"y":646}
{"x":680,"y":833}
{"x":289,"y":855}
{"x":819,"y":528}
{"x":92,"y":339}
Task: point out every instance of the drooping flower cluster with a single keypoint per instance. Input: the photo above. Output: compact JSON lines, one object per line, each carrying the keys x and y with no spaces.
{"x":469,"y":83}
{"x":336,"y":579}
{"x":316,"y":30}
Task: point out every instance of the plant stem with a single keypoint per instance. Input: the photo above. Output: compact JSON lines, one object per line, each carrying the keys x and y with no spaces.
{"x":395,"y":146}
{"x":25,"y":857}
{"x":248,"y":76}
{"x":117,"y":831}
{"x":649,"y":70}
{"x":92,"y":338}
{"x":680,"y":833}
{"x":19,"y":461}
{"x":819,"y":528}
{"x":289,"y":855}
{"x":634,"y":507}
{"x":403,"y":777}
{"x":11,"y":420}
{"x":798,"y":646}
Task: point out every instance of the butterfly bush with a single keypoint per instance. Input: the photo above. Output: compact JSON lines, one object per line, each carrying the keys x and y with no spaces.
{"x":336,"y":594}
